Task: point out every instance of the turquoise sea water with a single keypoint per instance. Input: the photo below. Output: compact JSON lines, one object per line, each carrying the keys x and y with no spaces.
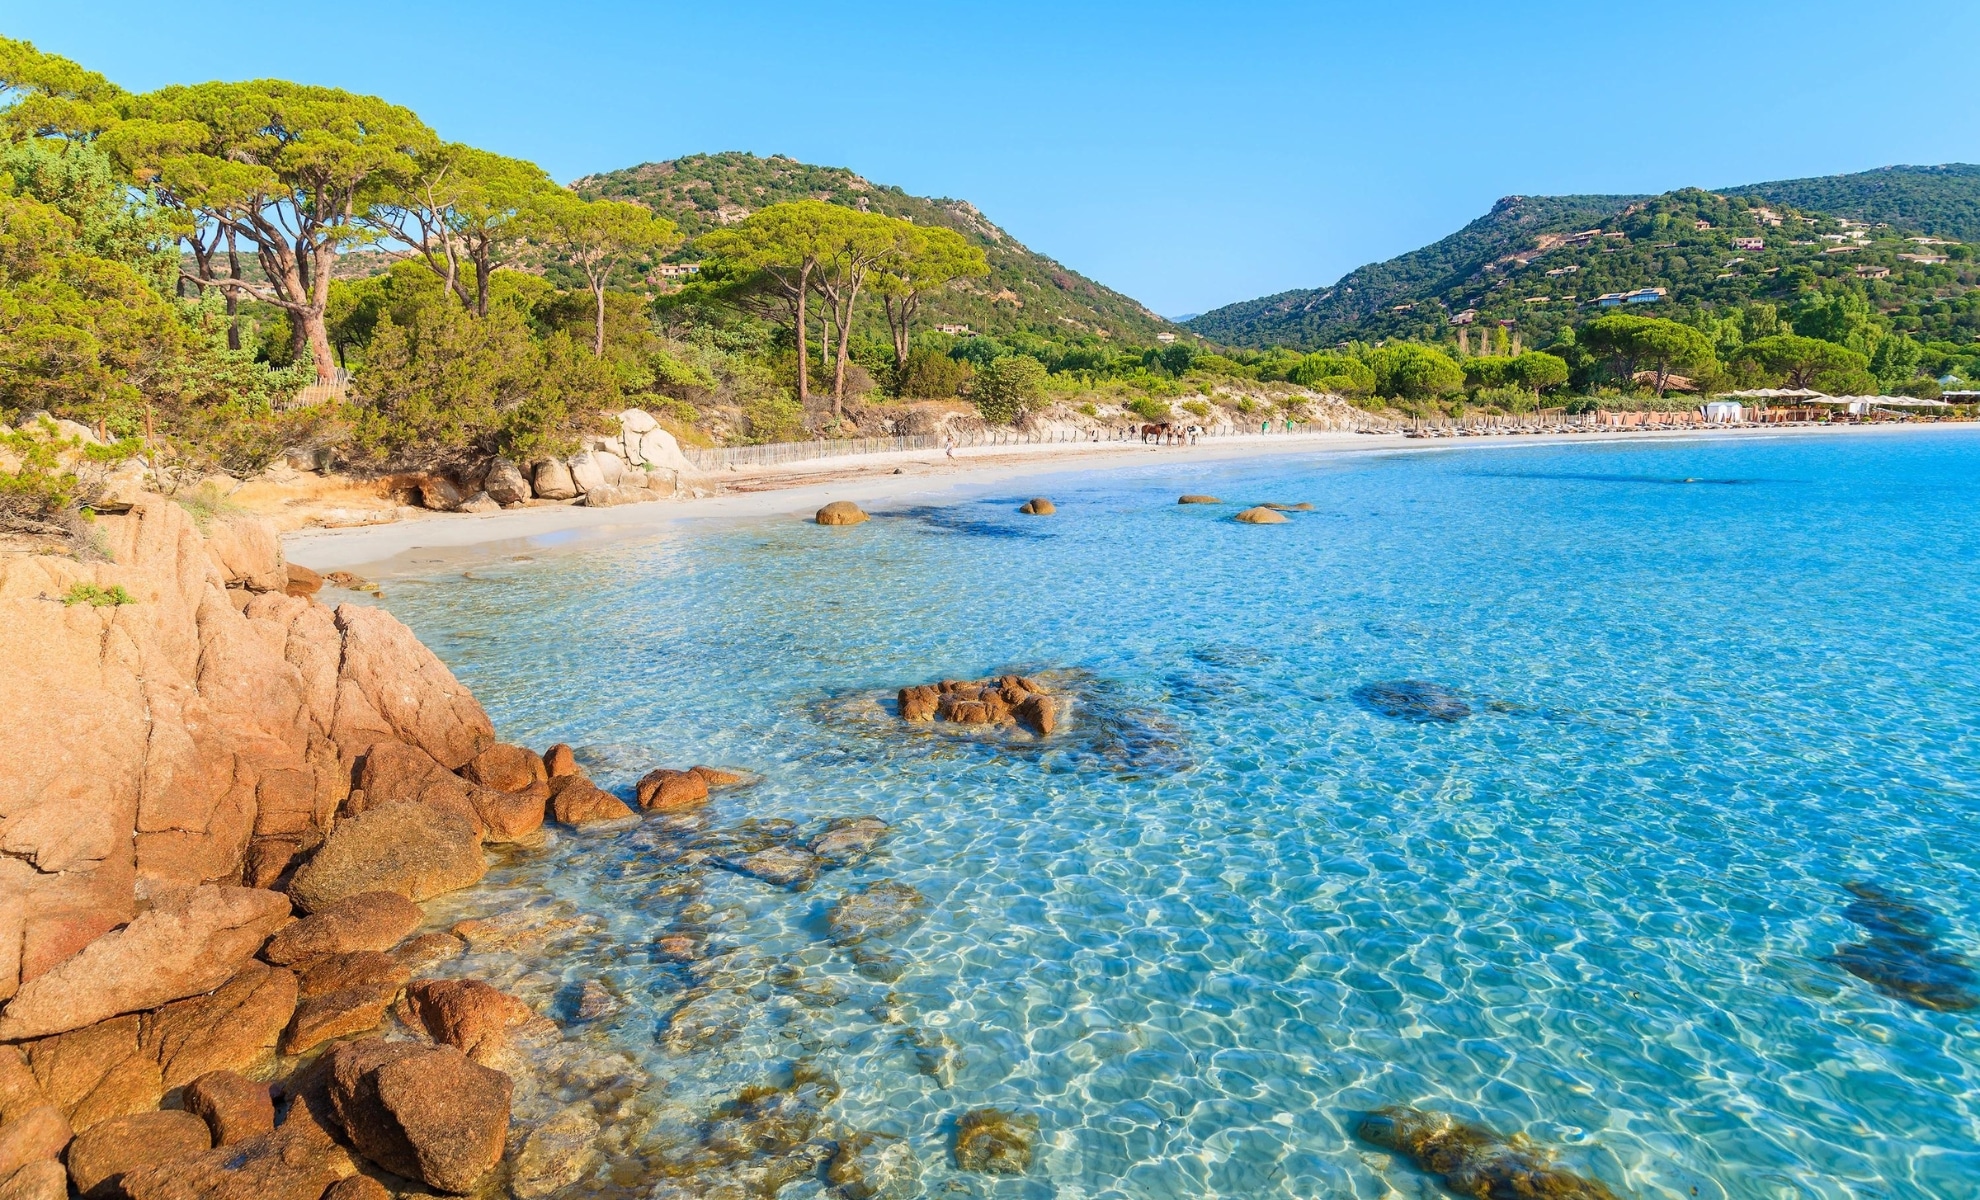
{"x":1234,"y":905}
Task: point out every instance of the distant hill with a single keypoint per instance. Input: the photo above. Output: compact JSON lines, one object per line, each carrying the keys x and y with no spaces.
{"x":1365,"y":301}
{"x":1522,"y":262}
{"x":1025,"y":289}
{"x":1936,"y":201}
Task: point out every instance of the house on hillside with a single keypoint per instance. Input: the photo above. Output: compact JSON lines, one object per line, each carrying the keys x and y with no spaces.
{"x":1647,"y":295}
{"x":1749,"y":243}
{"x":1869,"y":272}
{"x":678,"y":270}
{"x":1927,"y":259}
{"x":956,"y":330}
{"x":1466,"y":317}
{"x":1165,"y":337}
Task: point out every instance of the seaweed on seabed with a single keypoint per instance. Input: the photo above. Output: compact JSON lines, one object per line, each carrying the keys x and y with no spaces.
{"x":1901,"y":958}
{"x":1412,"y":700}
{"x":1471,"y":1160}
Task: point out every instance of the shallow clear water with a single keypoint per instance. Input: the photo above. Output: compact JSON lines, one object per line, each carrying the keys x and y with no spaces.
{"x":1709,"y":683}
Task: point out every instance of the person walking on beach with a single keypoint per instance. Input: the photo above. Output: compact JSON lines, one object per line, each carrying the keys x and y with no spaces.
{"x":949,"y":447}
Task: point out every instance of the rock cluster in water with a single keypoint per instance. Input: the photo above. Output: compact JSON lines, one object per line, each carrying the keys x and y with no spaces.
{"x":1005,"y":700}
{"x":1902,"y":957}
{"x":1413,"y":700}
{"x":1471,"y":1160}
{"x":996,"y":1141}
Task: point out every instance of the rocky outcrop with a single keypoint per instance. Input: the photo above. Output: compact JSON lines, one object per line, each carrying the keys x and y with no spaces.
{"x":1006,"y":700}
{"x":1038,"y":506}
{"x":201,"y":736}
{"x":189,"y":946}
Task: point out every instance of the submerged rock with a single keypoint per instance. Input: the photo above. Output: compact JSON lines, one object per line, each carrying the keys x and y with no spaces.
{"x":781,"y":865}
{"x":1260,"y":516}
{"x":1412,"y":700}
{"x":840,"y":512}
{"x":755,"y":1144}
{"x":1196,"y":499}
{"x":556,"y":1154}
{"x":1902,"y":957}
{"x":874,"y":1166}
{"x":996,"y":1141}
{"x":1471,"y":1160}
{"x":877,"y":910}
{"x":848,"y":840}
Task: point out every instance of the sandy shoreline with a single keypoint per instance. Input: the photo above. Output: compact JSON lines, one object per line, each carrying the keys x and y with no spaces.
{"x":923,"y":476}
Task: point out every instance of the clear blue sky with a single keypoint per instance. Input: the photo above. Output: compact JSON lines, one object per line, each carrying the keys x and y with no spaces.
{"x":1189,"y":155}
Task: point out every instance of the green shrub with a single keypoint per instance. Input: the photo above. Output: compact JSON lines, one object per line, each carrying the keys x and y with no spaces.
{"x":1150,"y":408}
{"x":1007,"y":387}
{"x":1197,"y":408}
{"x":91,"y":594}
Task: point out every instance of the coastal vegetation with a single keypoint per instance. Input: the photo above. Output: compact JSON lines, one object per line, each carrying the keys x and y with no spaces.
{"x":1740,"y":268}
{"x":213,"y":274}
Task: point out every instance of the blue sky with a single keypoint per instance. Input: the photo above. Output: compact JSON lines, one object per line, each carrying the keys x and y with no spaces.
{"x":1189,"y":155}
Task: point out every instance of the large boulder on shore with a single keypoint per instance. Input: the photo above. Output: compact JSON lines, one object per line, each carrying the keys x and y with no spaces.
{"x":588,"y":472}
{"x":553,"y":481}
{"x":841,"y":512}
{"x":647,"y":445}
{"x":414,"y":850}
{"x":505,"y":484}
{"x":183,"y":948}
{"x":429,"y":1114}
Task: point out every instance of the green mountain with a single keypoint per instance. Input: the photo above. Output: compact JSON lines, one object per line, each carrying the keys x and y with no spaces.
{"x":1542,"y":262}
{"x":1025,"y":291}
{"x":1939,"y":202}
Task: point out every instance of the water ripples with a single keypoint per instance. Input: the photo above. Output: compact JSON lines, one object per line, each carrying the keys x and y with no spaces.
{"x":1270,"y":878}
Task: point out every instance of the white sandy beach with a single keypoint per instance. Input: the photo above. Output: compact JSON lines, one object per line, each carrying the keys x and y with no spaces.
{"x":874,"y":480}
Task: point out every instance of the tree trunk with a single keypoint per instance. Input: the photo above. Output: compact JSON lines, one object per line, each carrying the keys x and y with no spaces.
{"x":803,"y":351}
{"x":598,"y":342}
{"x":845,"y":345}
{"x":233,"y":295}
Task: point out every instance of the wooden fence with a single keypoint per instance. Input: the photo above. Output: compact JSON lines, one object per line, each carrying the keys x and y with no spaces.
{"x":775,"y":453}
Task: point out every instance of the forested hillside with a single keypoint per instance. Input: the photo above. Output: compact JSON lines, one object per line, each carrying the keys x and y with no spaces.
{"x":1540,"y":264}
{"x":1024,"y":292}
{"x":1936,"y":201}
{"x":1366,"y":303}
